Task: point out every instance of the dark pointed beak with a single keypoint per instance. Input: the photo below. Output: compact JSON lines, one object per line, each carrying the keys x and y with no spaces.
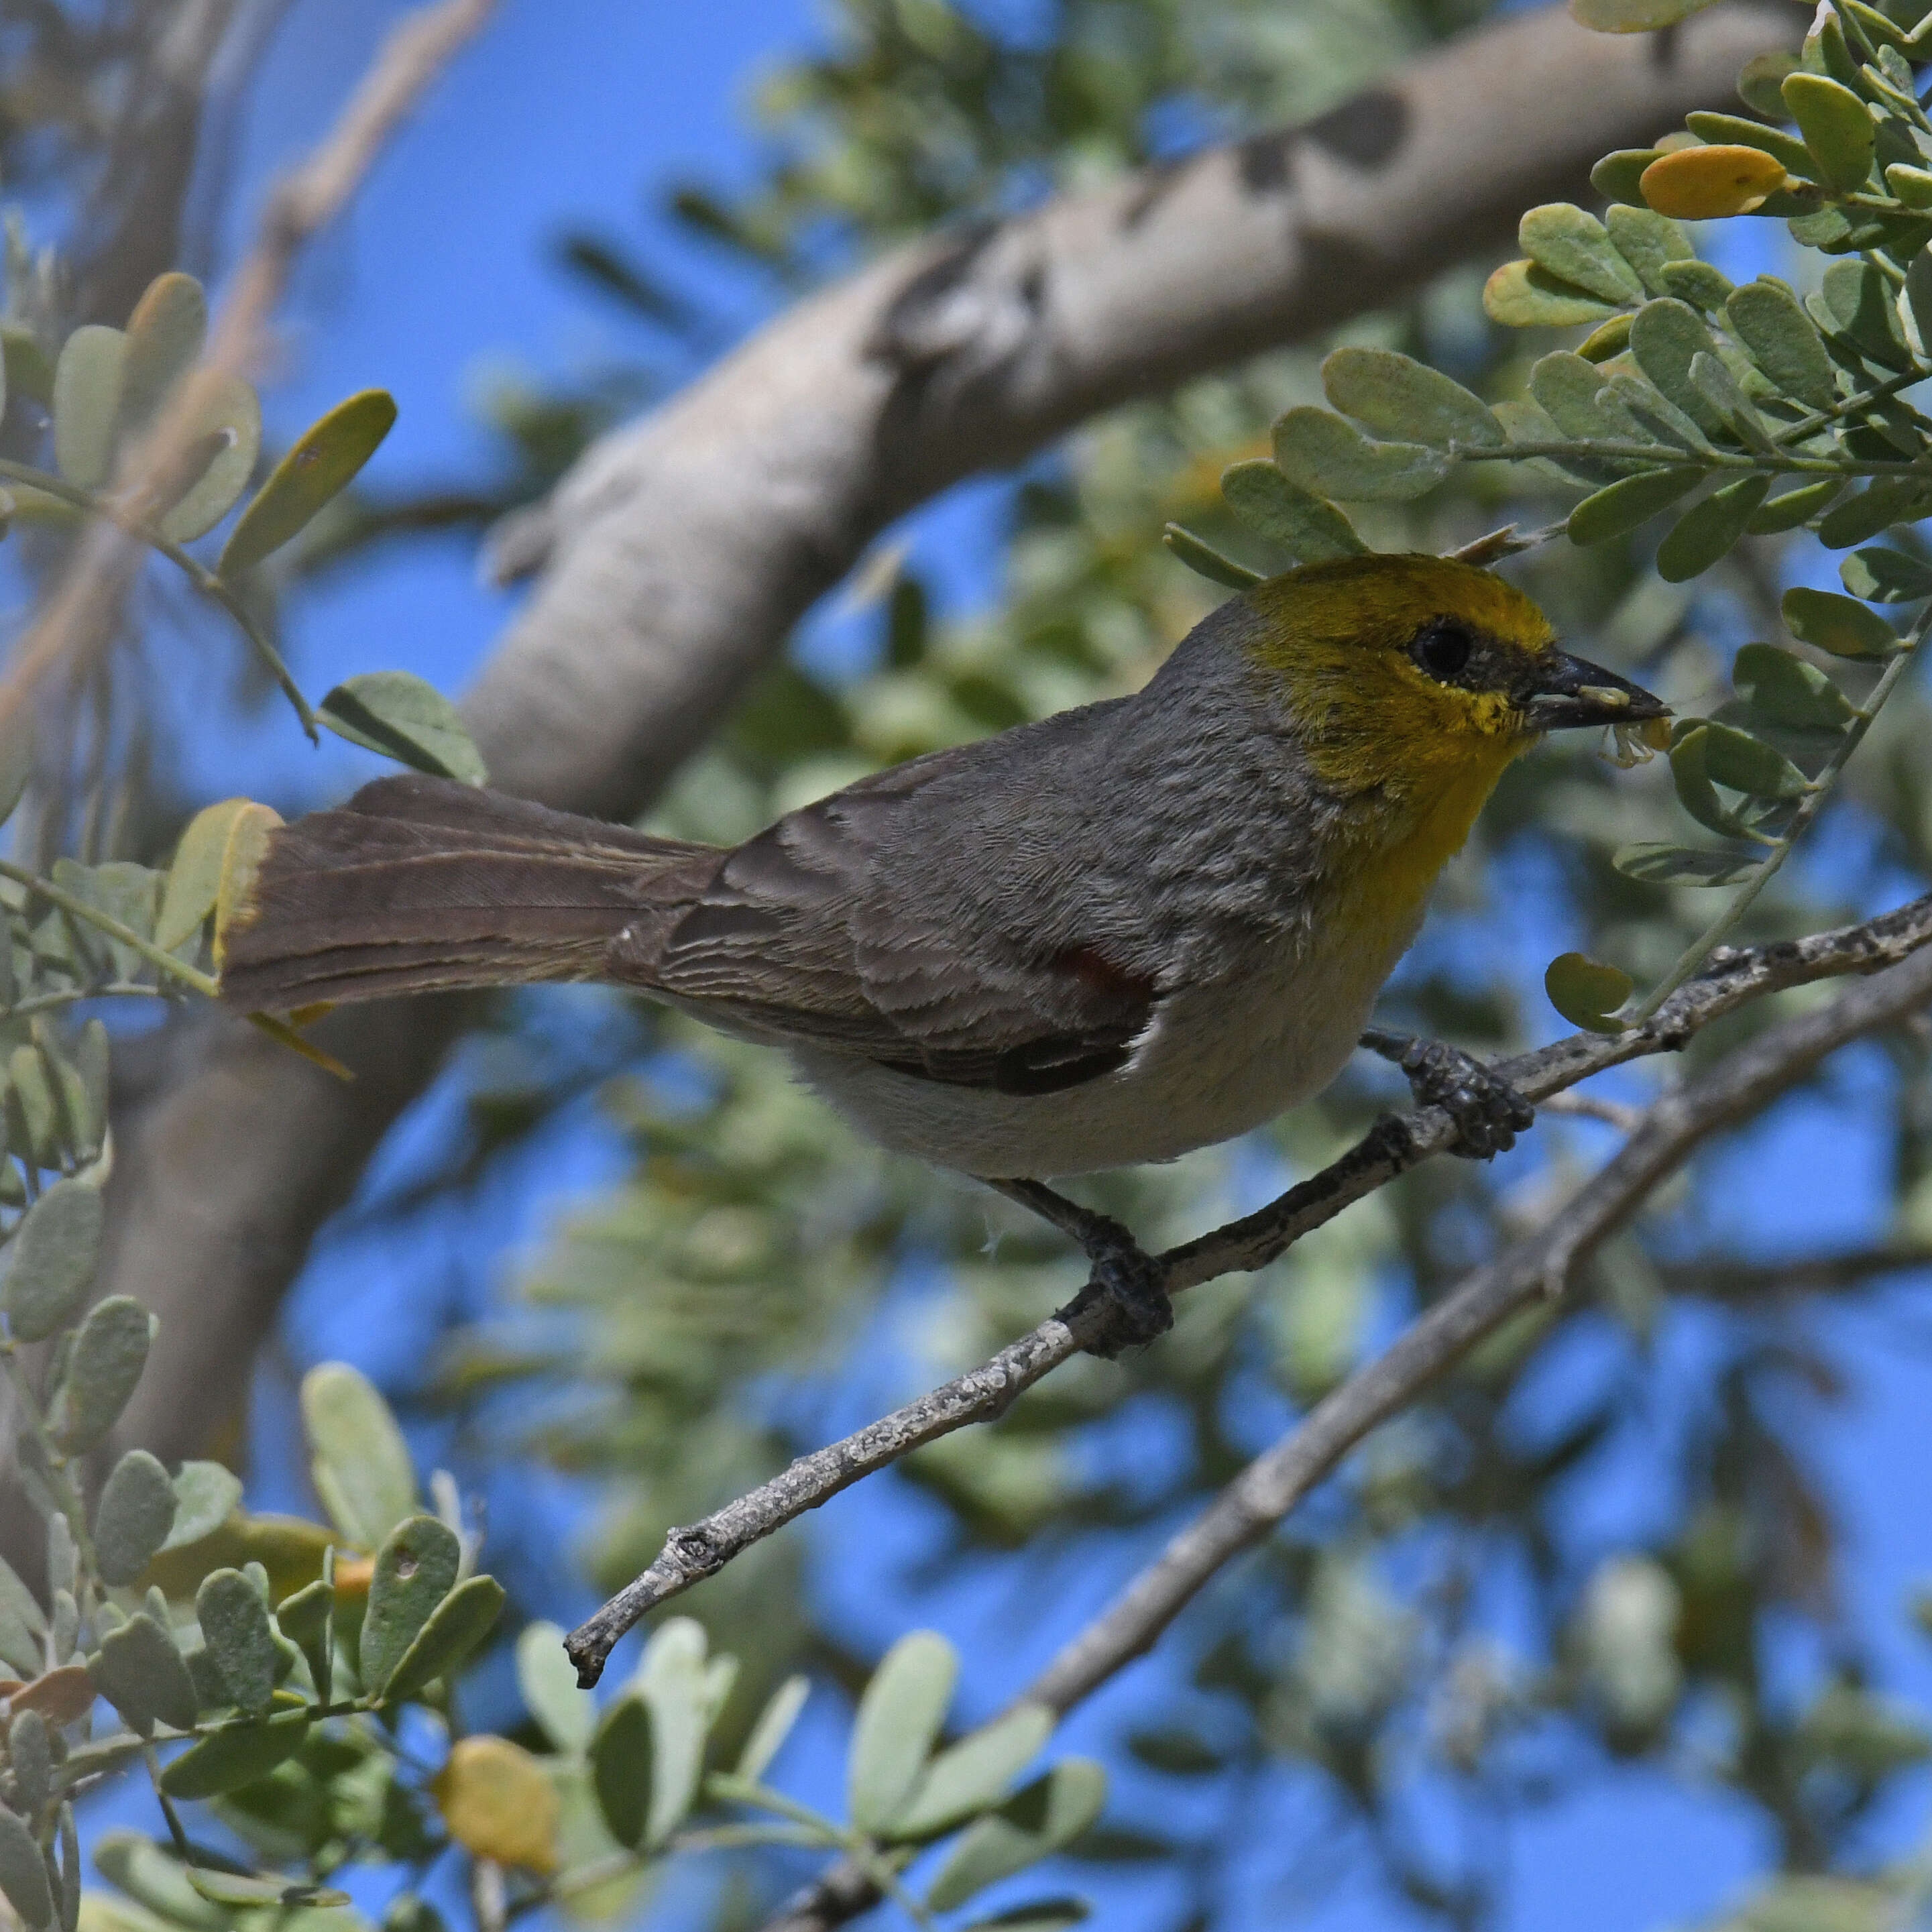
{"x":1567,"y":692}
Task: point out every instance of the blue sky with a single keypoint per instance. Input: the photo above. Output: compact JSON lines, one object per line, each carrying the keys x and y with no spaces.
{"x":573,"y":112}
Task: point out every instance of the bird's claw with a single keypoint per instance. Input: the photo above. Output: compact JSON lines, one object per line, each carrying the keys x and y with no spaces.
{"x":1488,"y":1112}
{"x":1136,"y":1284}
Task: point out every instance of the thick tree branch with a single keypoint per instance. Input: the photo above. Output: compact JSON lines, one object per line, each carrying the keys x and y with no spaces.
{"x":1536,"y":1268}
{"x":1391,"y":1147}
{"x":681,"y":550}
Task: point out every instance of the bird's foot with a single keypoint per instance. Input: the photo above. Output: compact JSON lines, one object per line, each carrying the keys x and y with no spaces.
{"x":1488,"y":1112}
{"x":1132,"y":1280}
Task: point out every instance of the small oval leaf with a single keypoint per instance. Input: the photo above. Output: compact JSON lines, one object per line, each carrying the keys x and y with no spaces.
{"x":498,"y":1803}
{"x":1310,"y":528}
{"x":1586,"y":992}
{"x":969,"y":1776}
{"x":1320,"y":452}
{"x":132,"y":1519}
{"x":1045,"y":1818}
{"x":1667,"y":865}
{"x":323,"y":462}
{"x":1707,"y":531}
{"x":1837,"y":127}
{"x":221,"y":414}
{"x":1394,"y":395}
{"x":1830,"y":622}
{"x":415,"y":1569}
{"x":1882,"y":576}
{"x":1707,"y":184}
{"x":359,"y":1463}
{"x":53,"y":1258}
{"x":164,"y":337}
{"x":1205,"y":560}
{"x":1783,"y":689}
{"x":455,"y":1628}
{"x":23,"y":1873}
{"x":1623,"y":505}
{"x":899,"y":1716}
{"x":620,"y":1769}
{"x":235,"y":1755}
{"x":236,"y":1628}
{"x":88,"y":382}
{"x":110,"y":1350}
{"x":396,"y":713}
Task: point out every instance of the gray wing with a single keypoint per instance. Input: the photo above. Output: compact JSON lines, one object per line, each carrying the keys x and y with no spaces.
{"x":915,"y":918}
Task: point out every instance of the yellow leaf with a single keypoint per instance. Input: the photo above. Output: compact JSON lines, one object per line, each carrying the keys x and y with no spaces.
{"x":498,"y":1803}
{"x":242,"y":852}
{"x":1702,"y":183}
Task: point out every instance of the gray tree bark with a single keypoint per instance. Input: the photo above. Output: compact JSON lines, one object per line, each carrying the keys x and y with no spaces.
{"x":677,"y":555}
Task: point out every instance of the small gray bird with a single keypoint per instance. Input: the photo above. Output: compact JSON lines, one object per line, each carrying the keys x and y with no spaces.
{"x":1128,"y":931}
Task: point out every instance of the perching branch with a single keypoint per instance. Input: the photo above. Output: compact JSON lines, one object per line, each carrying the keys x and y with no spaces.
{"x":679,"y":552}
{"x":1391,"y":1146}
{"x":1537,"y":1268}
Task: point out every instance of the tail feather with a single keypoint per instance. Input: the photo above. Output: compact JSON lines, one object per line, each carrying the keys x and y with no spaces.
{"x":419,"y":884}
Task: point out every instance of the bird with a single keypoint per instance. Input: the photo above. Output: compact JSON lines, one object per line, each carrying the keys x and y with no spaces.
{"x":1110,"y":936}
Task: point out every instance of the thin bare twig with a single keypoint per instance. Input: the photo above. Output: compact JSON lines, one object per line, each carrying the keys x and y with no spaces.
{"x":1536,"y":1268}
{"x":1393,"y":1146}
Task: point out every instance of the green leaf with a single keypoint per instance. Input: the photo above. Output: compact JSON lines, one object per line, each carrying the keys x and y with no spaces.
{"x":1704,"y":287}
{"x":1519,"y":295}
{"x":968,"y":1776}
{"x":139,"y":1867}
{"x":23,"y":1873}
{"x":1667,"y":336}
{"x":88,"y":382}
{"x":1206,"y":561}
{"x":1660,"y":419}
{"x":234,"y":1627}
{"x":415,"y":1569}
{"x":1705,"y":532}
{"x":194,"y":879}
{"x":235,"y":1756}
{"x":205,"y":1495}
{"x":220,"y":413}
{"x":23,"y":1622}
{"x":547,"y":1679}
{"x":324,"y":460}
{"x":1854,"y":298}
{"x":1310,"y":528}
{"x":1395,"y":396}
{"x":1586,"y":992}
{"x":773,"y":1727}
{"x":455,"y":1628}
{"x":1318,"y":451}
{"x":164,"y":337}
{"x":1042,"y":1915}
{"x":360,"y":1463}
{"x":396,"y":713}
{"x":620,"y":1769}
{"x":1632,"y":16}
{"x":1837,"y":127}
{"x":1881,"y":576}
{"x":132,"y":1519}
{"x":1783,"y":689}
{"x":1617,"y":175}
{"x":1575,"y":248}
{"x":1880,"y":504}
{"x":1649,"y":242}
{"x":1735,"y":130}
{"x":1623,"y":505}
{"x":1574,"y":392}
{"x":251,"y":1893}
{"x":141,"y":1673}
{"x":1691,"y":773}
{"x":1794,"y":507}
{"x":1837,"y":624}
{"x":1783,"y":341}
{"x":1749,"y":765}
{"x":899,"y":1718}
{"x":53,"y":1258}
{"x":671,"y":1679}
{"x":1045,"y":1818}
{"x":307,"y":1619}
{"x":1761,"y":79}
{"x":110,"y":1350}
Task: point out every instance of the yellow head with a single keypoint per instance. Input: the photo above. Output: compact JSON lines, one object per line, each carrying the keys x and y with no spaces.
{"x":1414,"y":680}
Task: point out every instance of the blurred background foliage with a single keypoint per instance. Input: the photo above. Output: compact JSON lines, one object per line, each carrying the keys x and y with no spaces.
{"x":1603,"y":1542}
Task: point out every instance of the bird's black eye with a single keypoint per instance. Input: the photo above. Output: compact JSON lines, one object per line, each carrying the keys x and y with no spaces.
{"x":1443,"y":650}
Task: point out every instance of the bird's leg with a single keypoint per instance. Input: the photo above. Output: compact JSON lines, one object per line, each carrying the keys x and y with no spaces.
{"x":1131,"y":1277}
{"x":1488,"y":1112}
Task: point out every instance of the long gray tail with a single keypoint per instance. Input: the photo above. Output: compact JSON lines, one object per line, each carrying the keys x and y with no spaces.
{"x":420,"y":884}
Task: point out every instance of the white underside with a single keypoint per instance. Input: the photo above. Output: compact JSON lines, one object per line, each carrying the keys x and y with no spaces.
{"x":1217,"y":1061}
